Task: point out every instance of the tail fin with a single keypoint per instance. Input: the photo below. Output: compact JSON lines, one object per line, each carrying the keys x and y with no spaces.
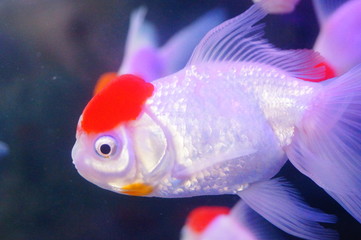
{"x":327,"y":142}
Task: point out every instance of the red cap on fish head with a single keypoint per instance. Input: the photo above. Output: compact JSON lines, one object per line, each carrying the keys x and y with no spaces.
{"x":199,"y":219}
{"x":120,"y":101}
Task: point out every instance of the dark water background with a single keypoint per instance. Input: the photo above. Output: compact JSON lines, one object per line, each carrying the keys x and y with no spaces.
{"x":51,"y":54}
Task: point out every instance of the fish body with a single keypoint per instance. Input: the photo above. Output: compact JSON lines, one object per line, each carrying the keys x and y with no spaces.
{"x":227,"y":123}
{"x":221,"y":123}
{"x":4,"y":149}
{"x":212,"y":129}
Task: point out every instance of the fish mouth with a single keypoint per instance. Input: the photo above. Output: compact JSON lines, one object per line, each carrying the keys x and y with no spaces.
{"x":137,"y":189}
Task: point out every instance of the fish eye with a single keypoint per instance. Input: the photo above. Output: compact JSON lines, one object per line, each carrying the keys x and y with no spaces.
{"x":106,"y":146}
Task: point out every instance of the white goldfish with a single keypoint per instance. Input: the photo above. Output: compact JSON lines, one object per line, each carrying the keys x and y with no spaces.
{"x":226,"y":124}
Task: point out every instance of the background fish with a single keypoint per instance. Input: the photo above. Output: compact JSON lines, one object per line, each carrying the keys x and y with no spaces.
{"x":226,"y":124}
{"x":339,"y":40}
{"x":145,"y":58}
{"x":238,"y":223}
{"x":4,"y":149}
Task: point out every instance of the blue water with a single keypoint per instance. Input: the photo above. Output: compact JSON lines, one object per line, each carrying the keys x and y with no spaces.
{"x":51,"y":54}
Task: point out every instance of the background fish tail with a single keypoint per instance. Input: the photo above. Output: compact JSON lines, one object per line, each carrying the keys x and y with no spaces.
{"x":280,"y":204}
{"x":327,"y":142}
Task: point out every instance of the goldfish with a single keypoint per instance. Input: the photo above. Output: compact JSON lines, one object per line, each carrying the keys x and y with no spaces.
{"x":226,"y":124}
{"x":145,"y":58}
{"x":4,"y":149}
{"x":218,"y":222}
{"x":339,"y":40}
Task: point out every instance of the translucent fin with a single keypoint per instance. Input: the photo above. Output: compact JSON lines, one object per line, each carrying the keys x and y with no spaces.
{"x":141,"y":34}
{"x":255,"y":223}
{"x":327,"y":142}
{"x":325,"y":8}
{"x":179,"y":48}
{"x":350,"y":202}
{"x":280,"y":204}
{"x":239,"y":39}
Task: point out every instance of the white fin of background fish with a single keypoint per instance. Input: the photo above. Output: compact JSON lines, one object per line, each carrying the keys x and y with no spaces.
{"x":156,"y":61}
{"x":4,"y":149}
{"x":141,"y":34}
{"x":326,"y":8}
{"x":339,"y":40}
{"x":277,"y":6}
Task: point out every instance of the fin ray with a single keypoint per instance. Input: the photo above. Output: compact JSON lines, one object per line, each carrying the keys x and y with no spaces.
{"x":327,"y":142}
{"x":280,"y":204}
{"x":240,"y":39}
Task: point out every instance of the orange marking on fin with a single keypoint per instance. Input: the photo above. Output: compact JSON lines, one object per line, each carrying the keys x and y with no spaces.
{"x":329,"y":72}
{"x":103,"y":81}
{"x":201,"y":217}
{"x":120,"y":101}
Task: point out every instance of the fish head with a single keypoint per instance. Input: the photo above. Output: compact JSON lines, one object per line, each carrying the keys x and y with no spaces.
{"x":118,"y":145}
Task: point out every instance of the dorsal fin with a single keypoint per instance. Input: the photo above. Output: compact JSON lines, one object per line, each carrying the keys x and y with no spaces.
{"x":239,"y":39}
{"x":120,"y":101}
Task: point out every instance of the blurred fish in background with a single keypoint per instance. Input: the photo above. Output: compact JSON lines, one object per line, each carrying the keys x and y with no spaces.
{"x":278,"y":6}
{"x":238,"y":223}
{"x":339,"y":40}
{"x":4,"y":149}
{"x":145,"y":58}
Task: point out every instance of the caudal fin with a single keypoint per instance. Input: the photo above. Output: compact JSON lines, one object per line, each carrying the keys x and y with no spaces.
{"x":327,"y":142}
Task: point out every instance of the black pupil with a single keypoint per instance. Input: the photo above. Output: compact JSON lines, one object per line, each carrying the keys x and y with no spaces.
{"x":105,"y":149}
